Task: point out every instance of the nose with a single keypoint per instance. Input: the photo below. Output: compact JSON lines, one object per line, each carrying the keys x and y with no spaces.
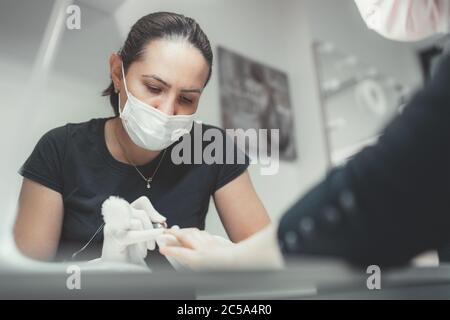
{"x":167,"y":106}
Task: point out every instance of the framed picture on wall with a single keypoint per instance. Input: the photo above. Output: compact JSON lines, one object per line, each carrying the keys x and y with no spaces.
{"x":256,"y":96}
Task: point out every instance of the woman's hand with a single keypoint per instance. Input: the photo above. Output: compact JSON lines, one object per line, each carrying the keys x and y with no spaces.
{"x":144,"y":211}
{"x":199,"y":250}
{"x":128,"y":231}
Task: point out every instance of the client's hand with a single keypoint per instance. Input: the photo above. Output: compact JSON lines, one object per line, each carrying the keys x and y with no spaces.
{"x":198,"y":250}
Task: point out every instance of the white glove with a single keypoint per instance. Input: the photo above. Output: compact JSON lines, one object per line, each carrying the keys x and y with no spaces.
{"x":165,"y":240}
{"x":199,"y":250}
{"x":128,"y":231}
{"x":194,"y":249}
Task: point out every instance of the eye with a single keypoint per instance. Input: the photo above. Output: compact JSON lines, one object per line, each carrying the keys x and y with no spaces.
{"x":185,"y":100}
{"x":155,"y":90}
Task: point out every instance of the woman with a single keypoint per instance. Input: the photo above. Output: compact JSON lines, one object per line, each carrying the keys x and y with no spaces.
{"x":157,"y":81}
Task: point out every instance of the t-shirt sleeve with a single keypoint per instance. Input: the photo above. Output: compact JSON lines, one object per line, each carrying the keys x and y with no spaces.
{"x":45,"y":163}
{"x":230,"y":170}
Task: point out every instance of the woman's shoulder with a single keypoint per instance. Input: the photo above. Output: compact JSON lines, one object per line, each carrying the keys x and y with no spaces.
{"x":59,"y":136}
{"x":71,"y":127}
{"x":93,"y":126}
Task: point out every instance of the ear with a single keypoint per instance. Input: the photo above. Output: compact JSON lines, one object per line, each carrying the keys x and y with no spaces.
{"x":115,"y":66}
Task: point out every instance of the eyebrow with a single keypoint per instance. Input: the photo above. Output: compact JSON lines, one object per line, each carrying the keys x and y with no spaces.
{"x":155,"y":77}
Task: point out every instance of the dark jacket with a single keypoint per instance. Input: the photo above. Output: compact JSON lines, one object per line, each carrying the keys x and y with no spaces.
{"x":391,"y":201}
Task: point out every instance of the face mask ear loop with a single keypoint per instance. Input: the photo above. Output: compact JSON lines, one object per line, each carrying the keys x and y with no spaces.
{"x":124,"y":80}
{"x":126,"y":89}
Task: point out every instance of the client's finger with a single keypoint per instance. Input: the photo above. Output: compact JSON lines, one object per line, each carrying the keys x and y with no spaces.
{"x":188,"y":238}
{"x":184,"y":256}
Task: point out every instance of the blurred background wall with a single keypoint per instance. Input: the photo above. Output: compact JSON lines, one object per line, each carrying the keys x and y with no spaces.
{"x":50,"y":76}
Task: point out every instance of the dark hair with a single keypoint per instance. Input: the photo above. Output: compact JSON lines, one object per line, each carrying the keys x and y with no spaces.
{"x":159,"y":25}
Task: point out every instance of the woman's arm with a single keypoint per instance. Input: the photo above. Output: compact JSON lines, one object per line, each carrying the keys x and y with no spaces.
{"x":240,"y":209}
{"x":39,"y":219}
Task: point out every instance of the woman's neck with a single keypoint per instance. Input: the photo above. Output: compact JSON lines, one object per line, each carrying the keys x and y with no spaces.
{"x":123,"y":148}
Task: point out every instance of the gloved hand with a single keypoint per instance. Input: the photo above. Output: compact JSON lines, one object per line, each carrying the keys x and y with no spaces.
{"x":128,"y":231}
{"x":191,"y":248}
{"x":165,"y":240}
{"x":199,"y":250}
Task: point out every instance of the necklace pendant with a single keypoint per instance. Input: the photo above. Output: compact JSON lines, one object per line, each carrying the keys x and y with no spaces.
{"x":148,"y":185}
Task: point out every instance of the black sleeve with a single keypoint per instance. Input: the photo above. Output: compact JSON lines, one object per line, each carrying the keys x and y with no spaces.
{"x":392,"y":200}
{"x":227,"y":172}
{"x":45,"y":164}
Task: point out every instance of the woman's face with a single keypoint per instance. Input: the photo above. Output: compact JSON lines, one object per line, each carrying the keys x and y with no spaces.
{"x":170,"y":76}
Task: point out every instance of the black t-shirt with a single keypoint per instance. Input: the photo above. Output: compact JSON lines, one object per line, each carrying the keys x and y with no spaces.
{"x":74,"y":161}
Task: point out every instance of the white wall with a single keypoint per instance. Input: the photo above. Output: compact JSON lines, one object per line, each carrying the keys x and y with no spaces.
{"x":274,"y":32}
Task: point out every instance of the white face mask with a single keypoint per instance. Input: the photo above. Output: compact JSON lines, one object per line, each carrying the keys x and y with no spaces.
{"x":150,"y":128}
{"x":406,"y":20}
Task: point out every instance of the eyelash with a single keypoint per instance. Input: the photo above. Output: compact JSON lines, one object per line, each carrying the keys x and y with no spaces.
{"x":156,"y":90}
{"x":185,"y":100}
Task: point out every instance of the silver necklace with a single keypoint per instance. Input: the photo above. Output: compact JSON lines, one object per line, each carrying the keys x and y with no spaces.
{"x":149,"y":179}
